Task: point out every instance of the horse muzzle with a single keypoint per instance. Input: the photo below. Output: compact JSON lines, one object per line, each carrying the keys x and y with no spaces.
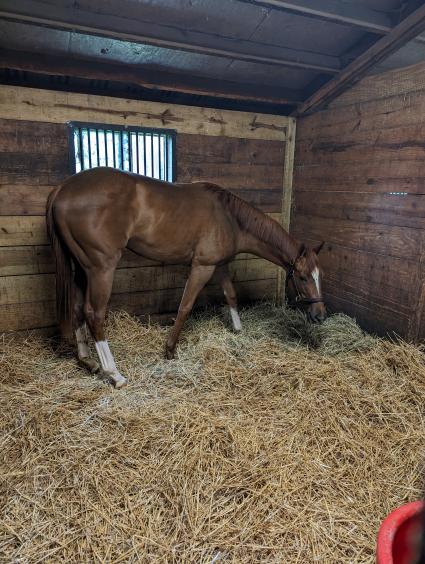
{"x":317,"y":312}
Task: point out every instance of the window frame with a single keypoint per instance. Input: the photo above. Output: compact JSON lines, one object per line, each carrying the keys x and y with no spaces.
{"x":170,"y":133}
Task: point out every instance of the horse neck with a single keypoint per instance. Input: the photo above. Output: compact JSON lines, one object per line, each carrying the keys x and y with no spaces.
{"x":283,"y":250}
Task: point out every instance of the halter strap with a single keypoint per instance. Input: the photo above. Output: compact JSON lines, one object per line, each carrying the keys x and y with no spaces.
{"x":298,"y":298}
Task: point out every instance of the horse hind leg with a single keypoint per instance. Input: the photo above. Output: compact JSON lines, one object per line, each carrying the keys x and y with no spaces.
{"x":81,"y":335}
{"x":230,"y":295}
{"x":99,"y":287}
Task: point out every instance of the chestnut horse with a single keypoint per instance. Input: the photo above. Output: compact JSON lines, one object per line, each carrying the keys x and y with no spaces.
{"x":95,"y":214}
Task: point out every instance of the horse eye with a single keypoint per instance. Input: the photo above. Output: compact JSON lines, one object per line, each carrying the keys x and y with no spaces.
{"x":303,"y":278}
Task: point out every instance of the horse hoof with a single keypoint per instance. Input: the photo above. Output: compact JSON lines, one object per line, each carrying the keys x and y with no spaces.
{"x":116,"y":379}
{"x":90,"y":364}
{"x":169,"y":354}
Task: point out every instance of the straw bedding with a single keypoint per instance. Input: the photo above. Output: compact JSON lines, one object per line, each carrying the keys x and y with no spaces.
{"x":285,"y":443}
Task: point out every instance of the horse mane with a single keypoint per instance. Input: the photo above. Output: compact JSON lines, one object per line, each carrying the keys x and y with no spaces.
{"x":253,"y":220}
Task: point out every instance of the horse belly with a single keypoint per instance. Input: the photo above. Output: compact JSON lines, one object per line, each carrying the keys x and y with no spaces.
{"x":163,"y":253}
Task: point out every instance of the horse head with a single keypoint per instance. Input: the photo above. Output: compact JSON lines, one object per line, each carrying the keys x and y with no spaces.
{"x":303,"y":283}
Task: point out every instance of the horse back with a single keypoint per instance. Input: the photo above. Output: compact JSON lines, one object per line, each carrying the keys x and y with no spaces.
{"x":111,"y":209}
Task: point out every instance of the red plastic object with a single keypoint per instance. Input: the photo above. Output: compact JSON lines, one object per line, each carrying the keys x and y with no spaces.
{"x":400,"y":535}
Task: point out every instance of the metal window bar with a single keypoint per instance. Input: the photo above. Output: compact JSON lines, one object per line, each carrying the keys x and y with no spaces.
{"x":89,"y":148}
{"x":150,"y":152}
{"x":145,"y":172}
{"x":166,"y":157}
{"x":97,"y":147}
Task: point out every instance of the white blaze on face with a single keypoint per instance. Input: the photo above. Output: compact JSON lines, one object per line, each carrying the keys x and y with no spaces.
{"x":315,"y":275}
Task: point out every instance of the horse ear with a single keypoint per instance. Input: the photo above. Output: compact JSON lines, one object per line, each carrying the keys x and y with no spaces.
{"x":319,"y":248}
{"x":302,"y":251}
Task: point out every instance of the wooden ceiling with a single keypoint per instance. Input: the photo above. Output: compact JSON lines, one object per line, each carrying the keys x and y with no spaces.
{"x":280,"y":56}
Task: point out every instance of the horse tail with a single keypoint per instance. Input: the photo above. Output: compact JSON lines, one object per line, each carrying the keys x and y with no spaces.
{"x":64,"y":274}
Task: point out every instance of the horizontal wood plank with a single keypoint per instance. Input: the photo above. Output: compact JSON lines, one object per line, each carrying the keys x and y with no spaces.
{"x":360,"y":184}
{"x":33,"y":315}
{"x":23,"y":199}
{"x":403,"y":210}
{"x":400,"y":242}
{"x":38,"y":259}
{"x":201,"y":149}
{"x":402,"y":143}
{"x":233,"y":176}
{"x":377,"y":86}
{"x":59,"y":107}
{"x":34,"y":159}
{"x":372,"y":278}
{"x":22,"y":168}
{"x":370,"y":316}
{"x":392,"y":175}
{"x":29,"y":137}
{"x":369,"y":116}
{"x":39,"y":287}
{"x":342,"y":262}
{"x":22,"y":230}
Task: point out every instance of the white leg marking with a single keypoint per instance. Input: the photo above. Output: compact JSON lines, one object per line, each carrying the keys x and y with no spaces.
{"x":81,"y":336}
{"x":108,"y":364}
{"x":315,"y":275}
{"x":237,"y":326}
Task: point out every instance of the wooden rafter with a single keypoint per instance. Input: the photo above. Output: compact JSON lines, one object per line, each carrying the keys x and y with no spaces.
{"x":332,"y":10}
{"x":170,"y":37}
{"x":409,"y":28}
{"x":338,"y":11}
{"x":49,"y":63}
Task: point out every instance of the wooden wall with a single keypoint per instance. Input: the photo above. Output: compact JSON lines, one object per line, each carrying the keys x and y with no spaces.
{"x":359,"y":184}
{"x":241,"y":151}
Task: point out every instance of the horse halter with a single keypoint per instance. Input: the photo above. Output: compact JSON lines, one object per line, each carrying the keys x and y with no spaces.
{"x":299,"y":298}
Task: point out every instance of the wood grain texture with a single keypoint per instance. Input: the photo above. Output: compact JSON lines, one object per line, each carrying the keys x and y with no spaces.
{"x":371,"y":315}
{"x":39,"y":287}
{"x":21,"y":316}
{"x":59,"y":107}
{"x":34,"y":159}
{"x":288,"y":175}
{"x":23,"y":199}
{"x":409,"y":28}
{"x":417,"y":325}
{"x":392,"y":83}
{"x":369,"y":118}
{"x":399,"y":242}
{"x":38,"y":259}
{"x":402,"y":210}
{"x":360,"y":185}
{"x":251,"y":168}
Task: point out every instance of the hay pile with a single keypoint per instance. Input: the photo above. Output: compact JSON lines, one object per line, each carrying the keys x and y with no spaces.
{"x":286,"y":443}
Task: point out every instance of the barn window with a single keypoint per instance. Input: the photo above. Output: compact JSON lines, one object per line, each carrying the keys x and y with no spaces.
{"x":150,"y":152}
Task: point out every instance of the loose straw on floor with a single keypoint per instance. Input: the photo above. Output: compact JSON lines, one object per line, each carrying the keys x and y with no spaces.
{"x":284,"y":443}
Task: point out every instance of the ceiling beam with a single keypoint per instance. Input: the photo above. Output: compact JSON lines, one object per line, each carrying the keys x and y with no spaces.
{"x":118,"y":27}
{"x":338,"y":11}
{"x":399,"y":36}
{"x":49,"y":63}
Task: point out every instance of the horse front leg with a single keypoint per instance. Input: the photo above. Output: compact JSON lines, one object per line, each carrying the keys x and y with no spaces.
{"x":198,"y":277}
{"x":230,"y":295}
